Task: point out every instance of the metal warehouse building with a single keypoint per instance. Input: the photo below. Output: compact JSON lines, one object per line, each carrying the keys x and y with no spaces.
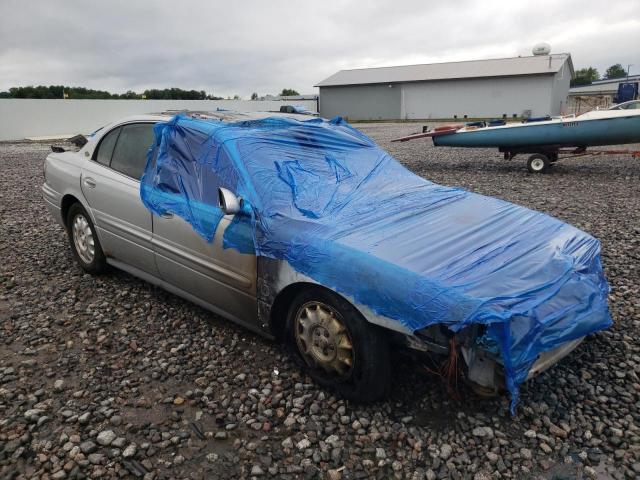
{"x":506,"y":87}
{"x":598,"y":94}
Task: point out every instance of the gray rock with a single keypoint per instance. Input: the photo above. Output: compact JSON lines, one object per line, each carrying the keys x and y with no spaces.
{"x":105,"y":437}
{"x":212,"y":457}
{"x":96,"y":458}
{"x":87,"y":447}
{"x":303,"y":444}
{"x":590,"y":472}
{"x":557,"y":431}
{"x":493,"y":458}
{"x":130,"y":451}
{"x":483,"y":432}
{"x":84,"y":418}
{"x":119,"y":442}
{"x":33,"y":414}
{"x":256,"y":471}
{"x":445,"y":451}
{"x":287,"y":443}
{"x":334,"y":474}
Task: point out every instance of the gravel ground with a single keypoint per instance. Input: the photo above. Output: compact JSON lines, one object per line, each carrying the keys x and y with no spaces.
{"x":110,"y":377}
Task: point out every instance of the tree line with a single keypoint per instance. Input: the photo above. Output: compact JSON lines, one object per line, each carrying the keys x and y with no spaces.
{"x":585,"y":76}
{"x":81,"y":93}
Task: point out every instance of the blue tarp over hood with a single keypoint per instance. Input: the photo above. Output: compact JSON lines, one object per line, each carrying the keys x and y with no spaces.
{"x":324,"y":197}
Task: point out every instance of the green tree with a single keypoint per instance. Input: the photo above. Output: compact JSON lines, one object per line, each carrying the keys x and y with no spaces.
{"x":174,"y":94}
{"x":58,"y":91}
{"x":254,"y":96}
{"x":129,"y":95}
{"x":585,"y":76}
{"x":615,"y":71}
{"x":288,"y":92}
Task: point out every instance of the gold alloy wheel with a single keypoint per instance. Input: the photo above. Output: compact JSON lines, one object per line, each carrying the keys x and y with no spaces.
{"x":323,"y":339}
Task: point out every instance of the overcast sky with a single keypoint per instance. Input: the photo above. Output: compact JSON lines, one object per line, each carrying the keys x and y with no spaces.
{"x":229,"y":47}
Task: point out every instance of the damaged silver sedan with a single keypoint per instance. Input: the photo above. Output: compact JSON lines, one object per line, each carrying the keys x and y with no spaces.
{"x":304,"y":230}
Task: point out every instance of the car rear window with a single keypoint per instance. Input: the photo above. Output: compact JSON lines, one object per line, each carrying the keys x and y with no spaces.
{"x":130,"y":154}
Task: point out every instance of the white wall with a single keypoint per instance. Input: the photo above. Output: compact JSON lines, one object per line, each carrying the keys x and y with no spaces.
{"x":559,"y":99}
{"x":20,"y":118}
{"x":478,"y":97}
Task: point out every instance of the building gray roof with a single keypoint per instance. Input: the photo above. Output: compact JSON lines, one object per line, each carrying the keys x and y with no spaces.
{"x":498,"y":67}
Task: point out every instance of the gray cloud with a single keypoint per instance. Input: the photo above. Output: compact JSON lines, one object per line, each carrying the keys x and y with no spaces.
{"x":229,"y":47}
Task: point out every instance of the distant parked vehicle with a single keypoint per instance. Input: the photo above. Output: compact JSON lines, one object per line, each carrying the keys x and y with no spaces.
{"x":320,"y":238}
{"x":630,"y":105}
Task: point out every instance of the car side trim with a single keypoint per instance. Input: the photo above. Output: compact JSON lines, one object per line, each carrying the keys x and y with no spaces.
{"x":124,"y":228}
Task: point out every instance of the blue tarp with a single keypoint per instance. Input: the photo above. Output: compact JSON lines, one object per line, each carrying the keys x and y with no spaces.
{"x":324,"y":197}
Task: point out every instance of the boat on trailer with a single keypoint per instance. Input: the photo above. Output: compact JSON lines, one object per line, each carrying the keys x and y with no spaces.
{"x":544,"y":138}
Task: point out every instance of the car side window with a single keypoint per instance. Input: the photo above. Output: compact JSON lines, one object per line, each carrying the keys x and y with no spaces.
{"x":105,"y":149}
{"x":130,"y":154}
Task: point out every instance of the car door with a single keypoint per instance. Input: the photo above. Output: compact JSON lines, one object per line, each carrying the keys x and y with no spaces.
{"x":111,"y":184}
{"x":224,"y":279}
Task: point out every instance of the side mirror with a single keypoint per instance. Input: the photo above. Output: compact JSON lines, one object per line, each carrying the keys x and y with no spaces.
{"x":228,"y":202}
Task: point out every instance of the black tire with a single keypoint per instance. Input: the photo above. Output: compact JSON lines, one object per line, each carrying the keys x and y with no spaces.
{"x":369,"y":378}
{"x":98,"y":264}
{"x":538,"y":163}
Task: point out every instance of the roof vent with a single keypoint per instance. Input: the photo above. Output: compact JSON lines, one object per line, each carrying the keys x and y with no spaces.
{"x":541,"y":49}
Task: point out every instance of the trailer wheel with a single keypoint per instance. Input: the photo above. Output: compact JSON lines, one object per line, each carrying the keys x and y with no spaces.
{"x":538,"y":163}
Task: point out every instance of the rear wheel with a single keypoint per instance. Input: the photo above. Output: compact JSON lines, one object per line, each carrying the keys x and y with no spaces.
{"x":538,"y":163}
{"x":337,"y":347}
{"x":84,"y":241}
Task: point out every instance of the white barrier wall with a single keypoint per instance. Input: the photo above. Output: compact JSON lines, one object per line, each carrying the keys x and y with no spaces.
{"x":21,"y":118}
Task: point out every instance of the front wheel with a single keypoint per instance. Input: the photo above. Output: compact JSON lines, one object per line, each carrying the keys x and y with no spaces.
{"x":337,"y":347}
{"x":84,"y":241}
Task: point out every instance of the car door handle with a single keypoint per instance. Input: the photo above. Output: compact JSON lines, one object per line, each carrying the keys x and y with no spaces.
{"x":89,"y":182}
{"x":167,"y":215}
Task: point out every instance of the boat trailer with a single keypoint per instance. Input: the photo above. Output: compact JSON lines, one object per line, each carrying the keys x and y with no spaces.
{"x":541,"y":157}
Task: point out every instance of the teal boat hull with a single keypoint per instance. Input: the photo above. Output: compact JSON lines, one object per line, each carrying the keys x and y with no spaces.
{"x":566,"y":133}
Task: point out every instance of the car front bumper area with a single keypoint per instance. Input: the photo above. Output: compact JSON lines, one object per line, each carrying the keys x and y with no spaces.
{"x":485,"y":374}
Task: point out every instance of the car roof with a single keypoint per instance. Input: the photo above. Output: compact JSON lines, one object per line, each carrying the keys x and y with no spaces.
{"x":221,"y":115}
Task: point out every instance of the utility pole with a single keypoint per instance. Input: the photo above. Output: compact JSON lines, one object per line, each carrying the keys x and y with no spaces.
{"x":628,"y":67}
